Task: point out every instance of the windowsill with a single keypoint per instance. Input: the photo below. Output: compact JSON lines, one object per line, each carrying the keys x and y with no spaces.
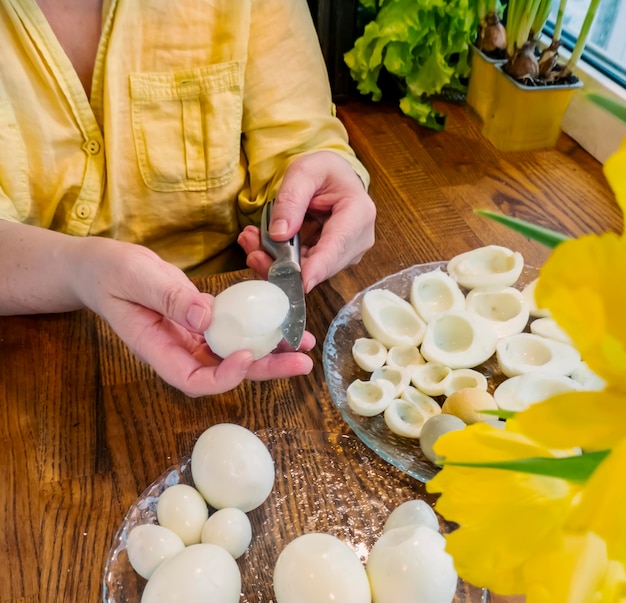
{"x":599,"y":132}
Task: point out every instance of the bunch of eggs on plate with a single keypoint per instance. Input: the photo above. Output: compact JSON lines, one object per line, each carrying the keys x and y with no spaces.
{"x":431,"y":345}
{"x":190,"y":554}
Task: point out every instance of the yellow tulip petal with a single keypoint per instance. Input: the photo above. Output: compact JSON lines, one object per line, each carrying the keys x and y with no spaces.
{"x":589,"y":420}
{"x":581,"y":285}
{"x":615,"y":172}
{"x":602,"y":508}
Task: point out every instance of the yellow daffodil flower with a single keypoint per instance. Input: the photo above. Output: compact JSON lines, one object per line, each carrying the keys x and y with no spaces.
{"x":504,"y":516}
{"x":615,"y":172}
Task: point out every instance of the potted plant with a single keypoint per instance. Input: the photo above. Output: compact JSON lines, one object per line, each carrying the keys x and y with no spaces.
{"x":420,"y":48}
{"x":532,"y":89}
{"x":488,"y":49}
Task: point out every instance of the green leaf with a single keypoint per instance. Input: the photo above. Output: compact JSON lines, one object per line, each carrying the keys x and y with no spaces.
{"x":501,"y":414}
{"x":614,"y":107}
{"x":545,"y":236}
{"x":572,"y":468}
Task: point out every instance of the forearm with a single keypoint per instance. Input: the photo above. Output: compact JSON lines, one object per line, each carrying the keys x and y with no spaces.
{"x":37,"y":271}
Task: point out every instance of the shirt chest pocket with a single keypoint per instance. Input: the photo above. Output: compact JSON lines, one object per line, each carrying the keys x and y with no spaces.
{"x":187,"y":126}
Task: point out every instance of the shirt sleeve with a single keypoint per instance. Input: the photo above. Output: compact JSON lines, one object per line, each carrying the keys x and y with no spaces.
{"x":288,"y":108}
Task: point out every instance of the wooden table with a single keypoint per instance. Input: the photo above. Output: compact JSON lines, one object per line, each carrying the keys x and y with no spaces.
{"x":85,"y":427}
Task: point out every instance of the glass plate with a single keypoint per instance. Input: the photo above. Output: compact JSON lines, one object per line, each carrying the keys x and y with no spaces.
{"x":324,"y":483}
{"x":340,"y":370}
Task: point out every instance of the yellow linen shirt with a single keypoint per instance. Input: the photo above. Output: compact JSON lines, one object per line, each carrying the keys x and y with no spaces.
{"x":197,"y":107}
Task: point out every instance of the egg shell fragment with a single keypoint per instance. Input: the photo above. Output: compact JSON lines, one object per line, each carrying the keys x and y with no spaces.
{"x":391,"y":319}
{"x":200,"y":572}
{"x":458,"y":339}
{"x":148,"y":545}
{"x":182,"y":509}
{"x":503,"y":307}
{"x":368,"y":353}
{"x":229,"y":528}
{"x":435,"y":292}
{"x":527,"y":353}
{"x":411,"y":564}
{"x":247,"y":316}
{"x":319,"y":568}
{"x":232,"y":467}
{"x":489,"y":266}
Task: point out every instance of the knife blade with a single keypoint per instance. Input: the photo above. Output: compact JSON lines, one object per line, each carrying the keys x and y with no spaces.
{"x":285,"y":272}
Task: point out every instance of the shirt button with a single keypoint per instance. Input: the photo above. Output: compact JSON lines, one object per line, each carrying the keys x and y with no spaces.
{"x":92,"y":147}
{"x":83,"y":211}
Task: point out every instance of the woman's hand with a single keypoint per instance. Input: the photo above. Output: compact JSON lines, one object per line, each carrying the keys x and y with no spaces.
{"x":161,"y":316}
{"x":321,"y":197}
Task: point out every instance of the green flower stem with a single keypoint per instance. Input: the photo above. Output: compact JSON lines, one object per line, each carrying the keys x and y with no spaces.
{"x":543,"y":12}
{"x":520,"y":19}
{"x":542,"y":235}
{"x":571,"y":468}
{"x":558,"y":25}
{"x":582,"y":36}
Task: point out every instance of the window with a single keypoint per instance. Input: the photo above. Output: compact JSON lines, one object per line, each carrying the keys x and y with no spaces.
{"x":606,"y":44}
{"x":602,"y":71}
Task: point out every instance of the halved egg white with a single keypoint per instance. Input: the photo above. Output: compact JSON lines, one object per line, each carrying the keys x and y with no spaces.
{"x":519,"y":392}
{"x":504,"y":307}
{"x":431,"y":378}
{"x":370,"y":398}
{"x":435,"y":292}
{"x":492,"y":265}
{"x":404,"y":357}
{"x":406,"y":415}
{"x":529,"y":295}
{"x":399,"y":377}
{"x":459,"y":339}
{"x":526,"y":353}
{"x":368,"y":353}
{"x":465,"y":378}
{"x":548,"y":327}
{"x":391,"y":319}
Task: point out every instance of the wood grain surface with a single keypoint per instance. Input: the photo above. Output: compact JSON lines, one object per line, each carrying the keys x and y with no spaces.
{"x":85,"y":427}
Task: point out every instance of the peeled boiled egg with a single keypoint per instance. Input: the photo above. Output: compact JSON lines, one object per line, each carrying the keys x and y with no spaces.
{"x":462,"y":378}
{"x":148,"y":545}
{"x":504,"y":307}
{"x":320,"y":568}
{"x":406,"y":415}
{"x":182,"y":509}
{"x":520,"y":392}
{"x":247,"y":316}
{"x":433,"y":429}
{"x":200,"y":572}
{"x":412,"y":513}
{"x":467,"y":404}
{"x":432,"y":378}
{"x":411,"y":564}
{"x":232,"y":467}
{"x":229,"y":528}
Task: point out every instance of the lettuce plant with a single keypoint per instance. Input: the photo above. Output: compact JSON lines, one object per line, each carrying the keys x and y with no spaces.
{"x":423,"y":45}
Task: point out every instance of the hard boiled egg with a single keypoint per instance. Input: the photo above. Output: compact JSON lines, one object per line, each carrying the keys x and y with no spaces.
{"x":231,"y":467}
{"x":411,"y":564}
{"x":412,"y":513}
{"x":148,"y":545}
{"x":320,"y":568}
{"x":247,"y":316}
{"x":200,"y":572}
{"x":229,"y":528}
{"x":182,"y":509}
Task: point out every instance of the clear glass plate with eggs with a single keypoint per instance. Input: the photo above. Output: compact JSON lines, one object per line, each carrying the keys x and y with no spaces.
{"x":341,"y":371}
{"x":326,"y":483}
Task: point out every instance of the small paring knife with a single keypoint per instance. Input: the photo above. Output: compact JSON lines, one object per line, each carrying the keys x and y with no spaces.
{"x":285,"y":273}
